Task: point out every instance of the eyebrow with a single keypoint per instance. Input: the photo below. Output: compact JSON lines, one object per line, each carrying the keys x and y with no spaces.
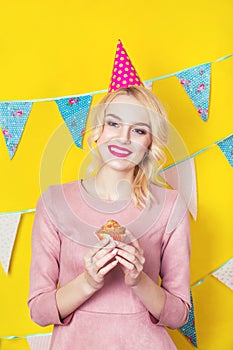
{"x":118,"y":118}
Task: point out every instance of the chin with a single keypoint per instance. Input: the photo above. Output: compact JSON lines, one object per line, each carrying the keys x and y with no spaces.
{"x":119,"y":165}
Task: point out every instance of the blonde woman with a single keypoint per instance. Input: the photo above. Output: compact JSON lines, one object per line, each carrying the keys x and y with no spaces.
{"x":106,"y":294}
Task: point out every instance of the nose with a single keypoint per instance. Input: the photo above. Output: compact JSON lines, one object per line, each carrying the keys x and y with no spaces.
{"x":125,"y":135}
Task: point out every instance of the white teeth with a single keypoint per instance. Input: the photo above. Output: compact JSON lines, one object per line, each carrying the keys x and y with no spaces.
{"x":120,"y":151}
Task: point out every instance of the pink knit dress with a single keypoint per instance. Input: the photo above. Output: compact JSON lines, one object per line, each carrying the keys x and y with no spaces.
{"x":113,"y":318}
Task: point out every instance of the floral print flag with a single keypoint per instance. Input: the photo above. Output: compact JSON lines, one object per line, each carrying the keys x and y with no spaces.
{"x":74,"y":112}
{"x":13,"y":117}
{"x":196,"y":82}
{"x":226,"y":146}
{"x":189,"y":328}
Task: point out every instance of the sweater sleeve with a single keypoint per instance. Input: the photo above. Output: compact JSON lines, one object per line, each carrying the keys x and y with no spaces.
{"x":44,"y":272}
{"x":175,"y":272}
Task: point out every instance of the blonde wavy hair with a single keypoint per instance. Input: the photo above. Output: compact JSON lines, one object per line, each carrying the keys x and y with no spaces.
{"x":149,"y":167}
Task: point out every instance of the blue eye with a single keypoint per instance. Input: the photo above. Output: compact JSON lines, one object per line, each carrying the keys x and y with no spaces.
{"x":113,"y":124}
{"x":139,"y":131}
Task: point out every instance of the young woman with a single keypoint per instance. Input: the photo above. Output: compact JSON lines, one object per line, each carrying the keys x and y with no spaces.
{"x":106,"y":294}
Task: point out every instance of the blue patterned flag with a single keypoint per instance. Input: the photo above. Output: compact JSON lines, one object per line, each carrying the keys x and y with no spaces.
{"x":189,"y":328}
{"x":13,"y":117}
{"x":74,"y":112}
{"x":226,"y":145}
{"x":196,"y":82}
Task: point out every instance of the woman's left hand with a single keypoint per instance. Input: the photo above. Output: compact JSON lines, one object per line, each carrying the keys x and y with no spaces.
{"x":131,"y":258}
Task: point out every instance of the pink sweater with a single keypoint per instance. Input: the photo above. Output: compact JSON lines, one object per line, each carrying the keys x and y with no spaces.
{"x":114,"y":318}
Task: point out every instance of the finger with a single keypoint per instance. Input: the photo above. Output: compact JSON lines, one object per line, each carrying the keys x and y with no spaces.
{"x":100,"y":245}
{"x":125,"y":263}
{"x":133,"y":259}
{"x":127,"y":247}
{"x":103,"y":261}
{"x":105,"y":250}
{"x":131,"y":251}
{"x":136,"y":269}
{"x":107,"y":268}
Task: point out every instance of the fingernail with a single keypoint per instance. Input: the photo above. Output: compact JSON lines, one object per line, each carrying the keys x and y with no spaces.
{"x":115,"y":251}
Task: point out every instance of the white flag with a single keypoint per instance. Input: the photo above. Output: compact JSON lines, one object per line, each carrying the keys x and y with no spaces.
{"x":225,"y":274}
{"x":182,"y":177}
{"x":41,"y":342}
{"x":148,"y":85}
{"x":8,"y":229}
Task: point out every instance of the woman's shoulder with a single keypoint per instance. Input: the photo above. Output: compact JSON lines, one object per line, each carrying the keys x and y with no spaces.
{"x":56,"y":190}
{"x":172,"y":203}
{"x":169,"y":195}
{"x":161,"y":192}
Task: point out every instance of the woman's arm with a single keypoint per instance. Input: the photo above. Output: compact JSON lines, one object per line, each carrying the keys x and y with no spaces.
{"x":47,"y":303}
{"x":170,"y":303}
{"x":150,"y":294}
{"x":76,"y":292}
{"x":167,"y":309}
{"x":132,"y":259}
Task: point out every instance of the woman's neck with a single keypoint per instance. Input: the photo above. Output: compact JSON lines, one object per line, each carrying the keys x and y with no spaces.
{"x":110,"y":185}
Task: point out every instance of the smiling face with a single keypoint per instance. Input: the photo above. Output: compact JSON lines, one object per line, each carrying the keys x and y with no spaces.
{"x":126,"y":135}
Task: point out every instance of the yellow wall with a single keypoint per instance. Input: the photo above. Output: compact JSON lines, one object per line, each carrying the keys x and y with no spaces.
{"x":58,"y":48}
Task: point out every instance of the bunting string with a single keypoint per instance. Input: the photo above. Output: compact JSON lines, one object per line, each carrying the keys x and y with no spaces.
{"x":211,"y":273}
{"x":11,"y":337}
{"x":92,"y":93}
{"x":176,"y":73}
{"x":74,"y":109}
{"x":25,"y":211}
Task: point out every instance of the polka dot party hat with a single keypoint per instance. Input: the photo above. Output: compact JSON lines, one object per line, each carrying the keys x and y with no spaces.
{"x":123,"y":73}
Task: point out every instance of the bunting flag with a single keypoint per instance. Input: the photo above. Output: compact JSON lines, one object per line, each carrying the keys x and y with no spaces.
{"x":14,"y":114}
{"x":225,"y":274}
{"x":148,"y":85}
{"x":196,"y":82}
{"x":13,"y":117}
{"x":182,"y":177}
{"x":189,"y":329}
{"x":74,"y":112}
{"x":41,"y":342}
{"x":226,"y":146}
{"x":8,"y":229}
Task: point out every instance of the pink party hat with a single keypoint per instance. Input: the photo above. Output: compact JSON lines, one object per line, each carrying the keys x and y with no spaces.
{"x":123,"y":73}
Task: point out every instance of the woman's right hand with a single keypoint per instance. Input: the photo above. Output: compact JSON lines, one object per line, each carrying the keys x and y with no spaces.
{"x":98,"y":262}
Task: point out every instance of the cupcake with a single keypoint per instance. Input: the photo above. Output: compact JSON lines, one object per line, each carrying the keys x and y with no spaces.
{"x":113,"y":230}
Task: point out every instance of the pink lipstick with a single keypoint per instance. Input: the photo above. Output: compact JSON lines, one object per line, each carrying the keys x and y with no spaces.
{"x":119,"y":151}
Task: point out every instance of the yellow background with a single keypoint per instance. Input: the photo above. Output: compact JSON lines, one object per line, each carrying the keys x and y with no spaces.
{"x":59,"y":48}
